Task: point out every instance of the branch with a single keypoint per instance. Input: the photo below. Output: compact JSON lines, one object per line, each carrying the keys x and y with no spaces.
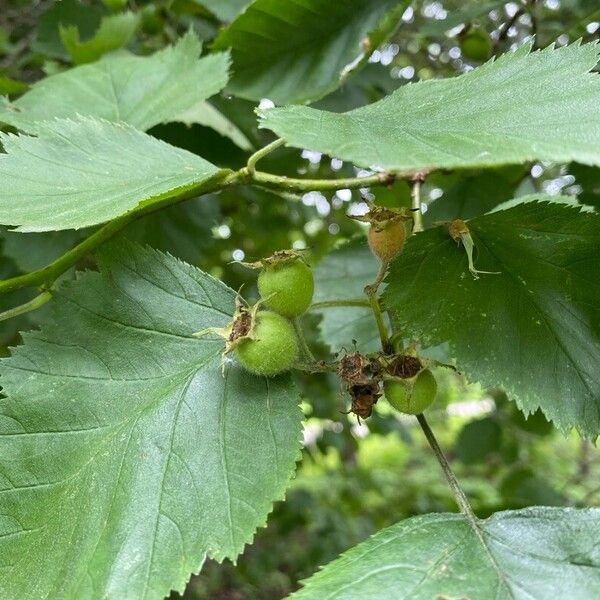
{"x":251,"y":164}
{"x":48,"y":274}
{"x":338,"y":303}
{"x":288,"y":184}
{"x":459,"y":495}
{"x":33,"y":304}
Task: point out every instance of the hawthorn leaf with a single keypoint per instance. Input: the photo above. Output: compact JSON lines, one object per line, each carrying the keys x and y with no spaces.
{"x":534,"y":328}
{"x":298,"y":50}
{"x":86,"y":18}
{"x":342,"y":275}
{"x":206,"y":114}
{"x":126,"y":456}
{"x":522,"y":106}
{"x":115,"y":31}
{"x":142,"y":91}
{"x":537,"y":552}
{"x":86,"y":171}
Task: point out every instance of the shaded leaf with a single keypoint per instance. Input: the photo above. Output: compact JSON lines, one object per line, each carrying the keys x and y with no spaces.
{"x":141,"y":91}
{"x":126,"y":456}
{"x":297,"y":50}
{"x":87,"y":171}
{"x":66,"y":12}
{"x":522,"y":487}
{"x":533,"y":553}
{"x":206,"y":114}
{"x":589,"y":180}
{"x":115,"y":31}
{"x":544,"y":303}
{"x":477,"y":440}
{"x":467,"y":196}
{"x":482,"y":118}
{"x":342,"y":275}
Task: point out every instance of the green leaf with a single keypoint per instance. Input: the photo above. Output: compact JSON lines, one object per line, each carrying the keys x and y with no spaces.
{"x":140,"y":91}
{"x":522,"y":487}
{"x":589,"y":180}
{"x":534,"y":327}
{"x":35,"y":250}
{"x":467,"y":195}
{"x":533,"y":553}
{"x":115,"y":31}
{"x":297,"y":50}
{"x":66,"y":12}
{"x":126,"y":456}
{"x":84,"y":172}
{"x":520,"y":107}
{"x":10,"y":86}
{"x":342,"y":275}
{"x":477,"y":440}
{"x":206,"y":114}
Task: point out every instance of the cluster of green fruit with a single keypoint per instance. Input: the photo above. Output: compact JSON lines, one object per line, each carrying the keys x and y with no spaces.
{"x":264,"y":337}
{"x":270,"y":345}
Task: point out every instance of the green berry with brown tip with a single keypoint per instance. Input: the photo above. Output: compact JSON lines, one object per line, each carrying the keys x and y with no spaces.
{"x":270,"y":348}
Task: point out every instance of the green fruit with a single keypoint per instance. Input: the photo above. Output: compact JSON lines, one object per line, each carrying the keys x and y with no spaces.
{"x":151,"y":21}
{"x":287,"y":287}
{"x":271,"y":347}
{"x":411,"y":396}
{"x":476,"y":45}
{"x":386,"y":241}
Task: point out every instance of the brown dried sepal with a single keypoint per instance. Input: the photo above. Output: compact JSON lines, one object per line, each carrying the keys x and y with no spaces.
{"x":276,"y":259}
{"x":457,"y":229}
{"x":355,"y":368}
{"x":404,"y":366}
{"x":381,"y":218}
{"x":364,"y":396}
{"x":241,"y":325}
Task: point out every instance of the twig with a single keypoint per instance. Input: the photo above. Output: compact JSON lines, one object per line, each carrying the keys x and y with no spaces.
{"x":371,"y":292}
{"x":48,"y":274}
{"x":251,"y":164}
{"x":303,"y":345}
{"x":416,"y":203}
{"x":308,"y":185}
{"x":339,"y":303}
{"x":459,"y":495}
{"x":33,"y":304}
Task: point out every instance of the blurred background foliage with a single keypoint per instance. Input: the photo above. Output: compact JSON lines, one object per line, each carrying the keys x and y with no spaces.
{"x":353,"y":479}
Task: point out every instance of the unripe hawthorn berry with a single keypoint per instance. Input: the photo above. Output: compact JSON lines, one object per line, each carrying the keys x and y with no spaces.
{"x":476,"y":44}
{"x":411,"y":396}
{"x":387,"y":232}
{"x":385,"y":242}
{"x":270,"y":348}
{"x":286,"y":284}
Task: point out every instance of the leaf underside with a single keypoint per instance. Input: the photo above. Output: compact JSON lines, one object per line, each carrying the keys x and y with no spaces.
{"x":126,"y":456}
{"x":522,"y":106}
{"x":86,"y":171}
{"x":537,"y":552}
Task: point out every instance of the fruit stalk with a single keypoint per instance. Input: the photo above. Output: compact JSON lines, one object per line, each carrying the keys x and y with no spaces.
{"x":459,"y":495}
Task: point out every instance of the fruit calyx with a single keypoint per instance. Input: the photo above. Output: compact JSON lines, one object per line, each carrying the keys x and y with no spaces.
{"x":361,"y":375}
{"x":278,"y":258}
{"x":380,"y":217}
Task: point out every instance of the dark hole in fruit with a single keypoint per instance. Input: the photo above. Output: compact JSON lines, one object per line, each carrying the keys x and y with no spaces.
{"x":405,"y":367}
